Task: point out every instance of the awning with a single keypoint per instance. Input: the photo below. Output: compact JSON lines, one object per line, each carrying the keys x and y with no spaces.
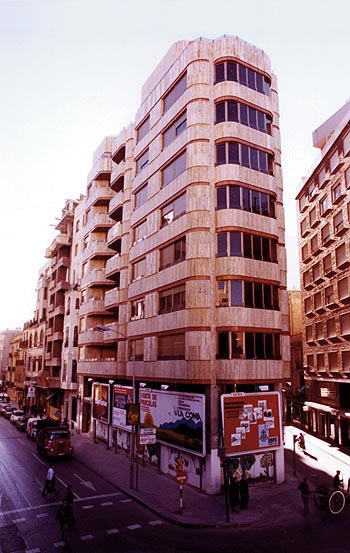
{"x":321,"y":407}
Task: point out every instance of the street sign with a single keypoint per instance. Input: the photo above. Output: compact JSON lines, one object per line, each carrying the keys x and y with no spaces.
{"x":147,"y":436}
{"x":181,"y":477}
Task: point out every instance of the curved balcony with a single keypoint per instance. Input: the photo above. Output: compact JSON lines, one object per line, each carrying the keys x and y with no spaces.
{"x":115,"y":297}
{"x":105,"y":368}
{"x":117,"y":172}
{"x":117,"y":231}
{"x":99,"y":195}
{"x":96,"y":277}
{"x":58,"y":242}
{"x":116,"y":263}
{"x":93,"y":307}
{"x":97,"y":249}
{"x":116,"y":201}
{"x":98,"y":222}
{"x":101,"y":170}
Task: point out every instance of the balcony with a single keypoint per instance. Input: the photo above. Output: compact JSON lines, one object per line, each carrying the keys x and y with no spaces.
{"x":116,"y":201}
{"x":99,"y":195}
{"x":92,"y":307}
{"x":116,"y":263}
{"x":117,"y":231}
{"x":117,"y":172}
{"x":90,"y":337}
{"x":115,"y":297}
{"x":96,"y":277}
{"x":107,"y":368}
{"x":101,"y":170}
{"x":60,"y":241}
{"x":97,"y":249}
{"x":98,"y":222}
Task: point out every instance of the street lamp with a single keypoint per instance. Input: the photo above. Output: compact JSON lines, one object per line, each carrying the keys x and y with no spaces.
{"x":105,"y":328}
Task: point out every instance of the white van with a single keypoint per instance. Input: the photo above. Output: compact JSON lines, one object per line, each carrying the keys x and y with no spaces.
{"x":32,"y":424}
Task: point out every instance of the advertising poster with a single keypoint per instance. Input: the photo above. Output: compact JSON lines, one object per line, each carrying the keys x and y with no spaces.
{"x":100,"y":408}
{"x":178,"y":417}
{"x":122,"y":395}
{"x":251,"y":422}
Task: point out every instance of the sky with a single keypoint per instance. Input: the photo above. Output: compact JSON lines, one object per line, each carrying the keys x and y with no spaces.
{"x":72,"y":71}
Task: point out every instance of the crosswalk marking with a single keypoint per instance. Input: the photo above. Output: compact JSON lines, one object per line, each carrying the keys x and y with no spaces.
{"x":37,"y":550}
{"x":42,"y":515}
{"x":106,"y":503}
{"x":155,"y":522}
{"x":18,"y":520}
{"x":87,"y":537}
{"x":134,"y":526}
{"x":125,"y":501}
{"x":113,"y":531}
{"x":60,"y":544}
{"x":88,"y":507}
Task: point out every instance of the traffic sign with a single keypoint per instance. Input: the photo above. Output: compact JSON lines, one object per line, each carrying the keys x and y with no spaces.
{"x":181,"y":477}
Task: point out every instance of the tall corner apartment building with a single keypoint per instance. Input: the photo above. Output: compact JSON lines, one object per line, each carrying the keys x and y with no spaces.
{"x":184,"y":255}
{"x":324,"y":217}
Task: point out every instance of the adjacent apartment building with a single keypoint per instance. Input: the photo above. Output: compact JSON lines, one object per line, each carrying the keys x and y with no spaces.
{"x":175,"y":290}
{"x":324,"y":226}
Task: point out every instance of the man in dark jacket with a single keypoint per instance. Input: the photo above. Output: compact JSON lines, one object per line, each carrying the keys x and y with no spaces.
{"x":305,"y":495}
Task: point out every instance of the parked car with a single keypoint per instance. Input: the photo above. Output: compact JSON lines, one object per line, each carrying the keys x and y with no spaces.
{"x":3,"y":404}
{"x":4,"y":397}
{"x":8,"y":410}
{"x":15,"y":415}
{"x":21,"y":423}
{"x":32,"y":426}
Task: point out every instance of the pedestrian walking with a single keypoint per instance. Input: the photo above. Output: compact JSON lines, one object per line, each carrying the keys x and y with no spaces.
{"x":69,"y":497}
{"x":337,"y":481}
{"x":63,"y":517}
{"x":233,"y":492}
{"x":50,"y":482}
{"x":244,"y":492}
{"x":305,"y":495}
{"x":301,"y":441}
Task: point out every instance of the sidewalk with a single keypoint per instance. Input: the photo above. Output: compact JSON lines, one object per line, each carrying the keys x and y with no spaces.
{"x":160,"y":493}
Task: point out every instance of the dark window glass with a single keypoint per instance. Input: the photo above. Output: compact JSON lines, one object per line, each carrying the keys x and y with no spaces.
{"x":175,"y":93}
{"x":259,"y":83}
{"x":266,"y":249}
{"x":262,"y":161}
{"x":233,"y":153}
{"x":246,"y":204}
{"x":251,"y":79}
{"x":258,"y":297}
{"x":268,"y":123}
{"x":236,"y":344}
{"x":235,"y":244}
{"x":248,"y":294}
{"x":252,"y":113}
{"x":272,"y":206}
{"x":256,"y":201}
{"x":249,"y":345}
{"x":269,"y":350}
{"x":234,"y":195}
{"x":273,"y":251}
{"x":223,"y":345}
{"x":242,"y":74}
{"x":236,"y":292}
{"x":232,"y":111}
{"x":231,"y":71}
{"x":174,"y":169}
{"x":180,"y":250}
{"x":243,"y":114}
{"x":177,"y":127}
{"x":220,"y":154}
{"x":247,"y":245}
{"x":257,"y":247}
{"x":275,"y":297}
{"x":264,"y":199}
{"x":244,"y":155}
{"x":261,"y":121}
{"x":266,"y":86}
{"x":221,"y":202}
{"x":143,"y":129}
{"x":277,"y":346}
{"x":220,"y":112}
{"x":254,"y":160}
{"x":259,"y":345}
{"x":219,"y":72}
{"x":222,"y":244}
{"x":267,"y":296}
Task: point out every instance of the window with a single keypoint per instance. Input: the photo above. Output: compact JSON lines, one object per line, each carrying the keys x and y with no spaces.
{"x":247,"y":156}
{"x":341,"y":257}
{"x":319,"y":331}
{"x":140,"y":231}
{"x":261,"y":345}
{"x":175,"y":129}
{"x":253,"y":246}
{"x":75,"y":336}
{"x":143,"y":129}
{"x":345,"y":324}
{"x":171,"y":347}
{"x":308,"y":304}
{"x":173,"y":253}
{"x":173,"y":210}
{"x":74,"y":371}
{"x":308,"y":333}
{"x":325,"y":234}
{"x":313,"y":217}
{"x":175,"y":92}
{"x":343,"y":290}
{"x":142,"y":161}
{"x":138,"y":349}
{"x":240,"y":113}
{"x":138,"y":309}
{"x":174,"y":169}
{"x":173,"y":299}
{"x":324,"y":205}
{"x":303,"y":227}
{"x":229,"y":345}
{"x":234,"y":71}
{"x":338,"y":223}
{"x":141,"y":196}
{"x":139,"y":269}
{"x":329,"y":295}
{"x":327,"y":264}
{"x":248,"y":294}
{"x":347,"y":177}
{"x":336,"y":191}
{"x":234,"y":196}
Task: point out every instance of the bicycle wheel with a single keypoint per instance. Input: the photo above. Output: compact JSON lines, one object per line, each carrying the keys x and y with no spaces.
{"x":321,"y":497}
{"x":336,"y":502}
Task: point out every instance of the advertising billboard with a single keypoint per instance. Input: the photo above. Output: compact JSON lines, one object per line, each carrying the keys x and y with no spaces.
{"x":122,"y":396}
{"x":178,"y":417}
{"x":251,"y":422}
{"x":100,"y":397}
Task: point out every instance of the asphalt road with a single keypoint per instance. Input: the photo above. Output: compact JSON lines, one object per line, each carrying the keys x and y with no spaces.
{"x":109,"y":521}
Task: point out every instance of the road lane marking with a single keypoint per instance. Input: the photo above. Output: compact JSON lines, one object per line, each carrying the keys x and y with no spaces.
{"x":107,"y":503}
{"x":42,"y":515}
{"x":88,"y":506}
{"x":155,"y":522}
{"x":87,"y":537}
{"x":134,"y":526}
{"x":85,"y":483}
{"x":36,"y":550}
{"x":18,"y":520}
{"x":113,"y":531}
{"x":125,"y":501}
{"x":60,"y":543}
